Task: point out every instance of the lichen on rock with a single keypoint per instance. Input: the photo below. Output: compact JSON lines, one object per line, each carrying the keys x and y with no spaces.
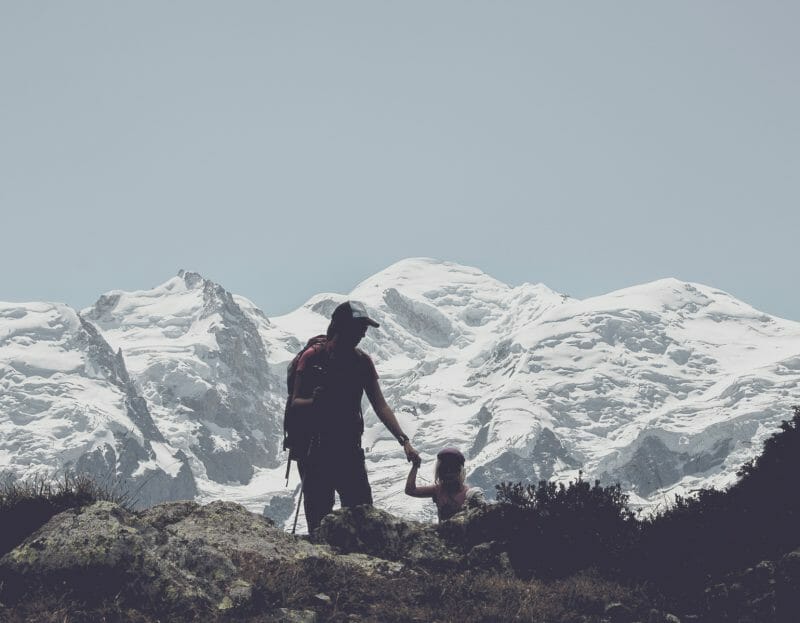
{"x":186,"y":557}
{"x":375,"y":532}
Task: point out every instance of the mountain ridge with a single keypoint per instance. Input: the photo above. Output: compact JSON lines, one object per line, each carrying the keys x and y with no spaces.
{"x":530,"y":382}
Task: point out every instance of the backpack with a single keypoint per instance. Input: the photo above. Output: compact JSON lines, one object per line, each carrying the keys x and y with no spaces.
{"x":296,"y":436}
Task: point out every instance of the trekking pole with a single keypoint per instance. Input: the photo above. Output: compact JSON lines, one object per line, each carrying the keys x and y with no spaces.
{"x":299,"y":501}
{"x":303,"y":473}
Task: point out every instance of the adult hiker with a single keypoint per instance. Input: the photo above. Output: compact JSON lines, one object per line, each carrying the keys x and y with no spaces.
{"x":331,"y":377}
{"x":450,"y":493}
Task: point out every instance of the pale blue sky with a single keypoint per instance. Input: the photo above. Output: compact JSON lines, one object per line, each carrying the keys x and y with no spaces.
{"x":287,"y":148}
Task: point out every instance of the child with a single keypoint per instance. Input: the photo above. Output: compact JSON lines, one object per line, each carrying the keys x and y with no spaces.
{"x":450,"y":494}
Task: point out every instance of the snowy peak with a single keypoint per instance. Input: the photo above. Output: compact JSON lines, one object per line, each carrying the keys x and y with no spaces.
{"x":445,"y":298}
{"x":186,"y":296}
{"x":673,"y":295}
{"x":200,"y":360}
{"x":427,"y":277}
{"x":185,"y":314}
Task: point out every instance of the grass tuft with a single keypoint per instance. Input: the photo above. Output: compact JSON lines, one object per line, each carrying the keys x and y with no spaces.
{"x":27,"y":505}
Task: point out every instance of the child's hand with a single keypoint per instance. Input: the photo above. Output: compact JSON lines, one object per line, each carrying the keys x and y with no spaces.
{"x":416,"y":461}
{"x":411,"y":454}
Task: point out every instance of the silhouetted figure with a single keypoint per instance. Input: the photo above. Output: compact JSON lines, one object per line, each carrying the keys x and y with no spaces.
{"x":330,"y":380}
{"x":450,"y":493}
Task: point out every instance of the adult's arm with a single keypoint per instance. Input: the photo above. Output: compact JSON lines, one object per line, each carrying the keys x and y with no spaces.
{"x":387,"y":416}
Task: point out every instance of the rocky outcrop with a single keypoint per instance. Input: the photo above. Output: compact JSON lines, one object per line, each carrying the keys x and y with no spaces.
{"x":377,"y":533}
{"x":420,"y":319}
{"x":460,"y":543}
{"x":179,"y":556}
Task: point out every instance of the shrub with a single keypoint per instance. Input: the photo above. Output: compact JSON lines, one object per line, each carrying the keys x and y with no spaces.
{"x":27,"y":505}
{"x":722,"y":531}
{"x":554,"y":529}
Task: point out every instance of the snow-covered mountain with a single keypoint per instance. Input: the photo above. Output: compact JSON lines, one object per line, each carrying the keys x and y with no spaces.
{"x":664,"y":387}
{"x":66,"y":399}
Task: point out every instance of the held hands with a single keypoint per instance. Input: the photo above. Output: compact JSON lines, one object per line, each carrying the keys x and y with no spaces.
{"x":412,"y":455}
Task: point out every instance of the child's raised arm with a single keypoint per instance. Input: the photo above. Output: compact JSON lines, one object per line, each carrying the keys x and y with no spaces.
{"x":411,"y":484}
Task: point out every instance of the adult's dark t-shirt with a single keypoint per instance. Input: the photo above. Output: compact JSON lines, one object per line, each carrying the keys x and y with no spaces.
{"x":344,"y":377}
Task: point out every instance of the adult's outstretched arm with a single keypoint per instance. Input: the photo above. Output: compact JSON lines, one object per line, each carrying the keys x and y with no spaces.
{"x":387,"y":416}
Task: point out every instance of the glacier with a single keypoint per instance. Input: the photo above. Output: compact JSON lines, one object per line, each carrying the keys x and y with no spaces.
{"x":178,"y":391}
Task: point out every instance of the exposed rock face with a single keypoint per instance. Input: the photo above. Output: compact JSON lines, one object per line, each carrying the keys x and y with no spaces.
{"x":189,"y":557}
{"x":549,"y":454}
{"x":242,"y":366}
{"x":117,"y":465}
{"x":375,"y":532}
{"x":420,"y":319}
{"x":654,"y":466}
{"x":508,"y":466}
{"x":101,"y":358}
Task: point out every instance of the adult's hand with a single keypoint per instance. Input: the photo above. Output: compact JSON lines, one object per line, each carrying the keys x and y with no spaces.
{"x":412,"y":455}
{"x":318,"y":394}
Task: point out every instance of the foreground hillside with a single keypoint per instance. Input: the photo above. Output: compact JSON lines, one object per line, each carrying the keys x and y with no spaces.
{"x":186,"y":562}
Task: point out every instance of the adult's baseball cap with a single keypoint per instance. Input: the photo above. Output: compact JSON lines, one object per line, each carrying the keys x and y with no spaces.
{"x":349,"y":312}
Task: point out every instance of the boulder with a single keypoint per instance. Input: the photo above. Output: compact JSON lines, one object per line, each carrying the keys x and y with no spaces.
{"x":369,"y":530}
{"x":177,"y":556}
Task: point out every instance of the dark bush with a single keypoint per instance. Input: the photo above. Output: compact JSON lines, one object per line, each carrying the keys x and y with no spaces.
{"x":552,"y":529}
{"x":721,"y":531}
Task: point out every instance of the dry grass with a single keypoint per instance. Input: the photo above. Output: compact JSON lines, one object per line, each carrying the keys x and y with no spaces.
{"x":468,"y":596}
{"x":47,"y":607}
{"x":27,"y":505}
